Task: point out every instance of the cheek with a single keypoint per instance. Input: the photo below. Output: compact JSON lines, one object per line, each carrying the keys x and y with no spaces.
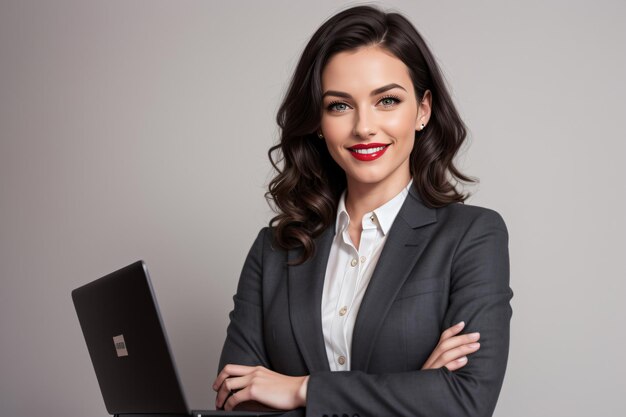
{"x":336,"y":128}
{"x":336,"y":133}
{"x":400,"y":124}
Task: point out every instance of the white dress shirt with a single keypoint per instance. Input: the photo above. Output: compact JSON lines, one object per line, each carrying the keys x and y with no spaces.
{"x":348,"y":273}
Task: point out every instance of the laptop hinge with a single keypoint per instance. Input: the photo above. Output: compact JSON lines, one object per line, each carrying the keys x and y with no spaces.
{"x":151,"y":415}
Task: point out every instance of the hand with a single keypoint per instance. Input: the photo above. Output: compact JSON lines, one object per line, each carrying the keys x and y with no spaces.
{"x":259,"y":385}
{"x":451,"y":350}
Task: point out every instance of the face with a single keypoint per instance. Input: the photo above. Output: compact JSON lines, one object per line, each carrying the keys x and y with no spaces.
{"x":369,"y":100}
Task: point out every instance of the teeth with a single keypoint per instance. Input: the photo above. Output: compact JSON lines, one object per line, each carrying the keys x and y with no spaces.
{"x":368,"y":151}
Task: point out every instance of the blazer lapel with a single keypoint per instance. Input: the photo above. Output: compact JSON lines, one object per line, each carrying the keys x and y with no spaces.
{"x":305,"y":287}
{"x":404,"y":245}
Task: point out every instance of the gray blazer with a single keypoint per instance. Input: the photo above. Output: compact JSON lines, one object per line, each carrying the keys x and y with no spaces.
{"x":438,"y":267}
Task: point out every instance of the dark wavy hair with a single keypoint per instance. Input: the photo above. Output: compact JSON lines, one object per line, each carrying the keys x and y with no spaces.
{"x":307,"y":189}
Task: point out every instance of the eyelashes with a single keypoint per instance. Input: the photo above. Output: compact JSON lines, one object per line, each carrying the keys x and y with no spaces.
{"x":331,"y":105}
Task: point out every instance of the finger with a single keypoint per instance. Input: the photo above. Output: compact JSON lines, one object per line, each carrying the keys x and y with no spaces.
{"x":446,"y":346}
{"x":435,"y":359}
{"x":451,"y":331}
{"x":238,"y":397}
{"x":456,"y":364}
{"x":457,"y":341}
{"x":229,"y":386}
{"x":458,"y":353}
{"x":231,"y":370}
{"x":452,"y":349}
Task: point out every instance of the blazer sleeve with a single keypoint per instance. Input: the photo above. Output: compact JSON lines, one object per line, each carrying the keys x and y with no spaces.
{"x":480,"y":295}
{"x":244,"y":339}
{"x":244,"y":343}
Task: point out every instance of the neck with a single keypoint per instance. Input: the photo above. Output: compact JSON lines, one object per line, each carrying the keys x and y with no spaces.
{"x":363,"y":198}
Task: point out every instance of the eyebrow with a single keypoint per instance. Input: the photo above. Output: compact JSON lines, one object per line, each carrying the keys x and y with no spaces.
{"x":373,"y":93}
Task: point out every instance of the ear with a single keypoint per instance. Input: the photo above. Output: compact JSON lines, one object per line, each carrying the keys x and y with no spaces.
{"x":423,"y":110}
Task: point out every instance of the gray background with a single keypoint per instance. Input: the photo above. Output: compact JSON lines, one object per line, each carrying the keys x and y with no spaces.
{"x":139,"y":130}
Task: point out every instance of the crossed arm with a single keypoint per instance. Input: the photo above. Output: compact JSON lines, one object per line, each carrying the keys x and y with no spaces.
{"x":479,"y":294}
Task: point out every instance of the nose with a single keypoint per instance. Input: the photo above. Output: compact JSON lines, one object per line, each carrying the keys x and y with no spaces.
{"x":365,"y":123}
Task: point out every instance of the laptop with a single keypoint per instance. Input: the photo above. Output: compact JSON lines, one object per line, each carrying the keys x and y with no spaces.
{"x":129,"y":349}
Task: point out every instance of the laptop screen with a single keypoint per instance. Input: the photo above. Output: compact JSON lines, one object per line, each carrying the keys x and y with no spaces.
{"x":127,"y":343}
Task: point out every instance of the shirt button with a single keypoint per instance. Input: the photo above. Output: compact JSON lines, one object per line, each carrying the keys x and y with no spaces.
{"x":341,"y":360}
{"x":372,"y":218}
{"x":343,"y":310}
{"x":362,"y":259}
{"x":354,"y":262}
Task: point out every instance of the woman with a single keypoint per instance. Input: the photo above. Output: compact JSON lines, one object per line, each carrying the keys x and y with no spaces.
{"x":347,"y":304}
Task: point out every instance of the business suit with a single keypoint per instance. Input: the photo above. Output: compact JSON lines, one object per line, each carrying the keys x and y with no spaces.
{"x":438,"y":267}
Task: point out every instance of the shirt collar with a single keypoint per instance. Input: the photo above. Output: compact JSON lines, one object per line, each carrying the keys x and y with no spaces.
{"x":382,"y":216}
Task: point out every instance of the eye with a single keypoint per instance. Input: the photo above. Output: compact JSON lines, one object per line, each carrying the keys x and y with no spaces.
{"x":390,"y":100}
{"x":331,"y":106}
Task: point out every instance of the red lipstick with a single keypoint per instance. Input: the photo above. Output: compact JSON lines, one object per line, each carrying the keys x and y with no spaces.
{"x":369,"y":151}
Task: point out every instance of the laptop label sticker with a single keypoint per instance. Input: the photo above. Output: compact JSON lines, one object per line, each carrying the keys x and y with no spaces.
{"x":120,"y":345}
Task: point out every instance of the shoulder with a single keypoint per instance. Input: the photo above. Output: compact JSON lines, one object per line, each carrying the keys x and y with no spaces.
{"x":479,"y":240}
{"x":464,"y":225}
{"x":467,"y":216}
{"x":262,"y":237}
{"x":265,"y":240}
{"x":270,"y":256}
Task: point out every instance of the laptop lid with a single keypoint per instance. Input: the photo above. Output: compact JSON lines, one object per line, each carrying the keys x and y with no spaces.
{"x":127,"y":343}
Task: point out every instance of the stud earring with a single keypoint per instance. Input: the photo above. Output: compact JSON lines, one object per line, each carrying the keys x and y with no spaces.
{"x":422,"y":126}
{"x":319,"y":135}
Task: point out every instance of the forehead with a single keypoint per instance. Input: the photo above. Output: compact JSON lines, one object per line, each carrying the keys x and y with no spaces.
{"x":364,"y":69}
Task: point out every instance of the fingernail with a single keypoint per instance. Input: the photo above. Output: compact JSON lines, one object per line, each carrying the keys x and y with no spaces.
{"x":474,"y":345}
{"x":463,"y":359}
{"x":460,"y":324}
{"x":475,"y":335}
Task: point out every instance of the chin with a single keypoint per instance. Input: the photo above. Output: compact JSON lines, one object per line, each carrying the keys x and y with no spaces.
{"x":368,"y":179}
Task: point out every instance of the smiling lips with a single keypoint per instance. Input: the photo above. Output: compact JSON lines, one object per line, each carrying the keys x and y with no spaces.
{"x":368,"y":152}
